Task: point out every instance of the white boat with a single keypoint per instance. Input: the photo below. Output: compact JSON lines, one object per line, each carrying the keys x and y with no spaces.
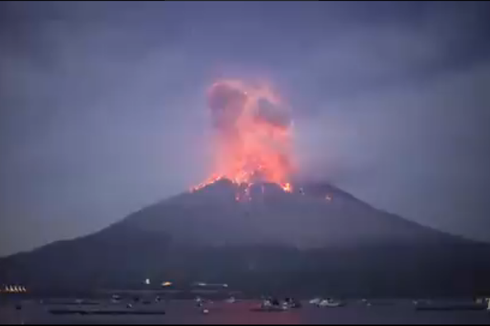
{"x":272,"y":305}
{"x":231,"y":300}
{"x":315,"y":301}
{"x":329,"y":303}
{"x":292,"y":303}
{"x":115,"y":298}
{"x":199,"y":302}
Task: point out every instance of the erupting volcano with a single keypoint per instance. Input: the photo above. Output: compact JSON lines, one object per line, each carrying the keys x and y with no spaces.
{"x":245,"y":226}
{"x":253,"y":135}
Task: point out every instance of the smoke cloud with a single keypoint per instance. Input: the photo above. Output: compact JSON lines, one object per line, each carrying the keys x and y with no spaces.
{"x":253,"y":132}
{"x":227,"y":104}
{"x":269,"y":113}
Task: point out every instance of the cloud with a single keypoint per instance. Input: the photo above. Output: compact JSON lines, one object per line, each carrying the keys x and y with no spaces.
{"x":418,"y":151}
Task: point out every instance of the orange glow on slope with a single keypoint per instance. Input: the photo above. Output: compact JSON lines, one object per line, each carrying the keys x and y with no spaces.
{"x":208,"y":181}
{"x":253,"y":135}
{"x":287,"y":187}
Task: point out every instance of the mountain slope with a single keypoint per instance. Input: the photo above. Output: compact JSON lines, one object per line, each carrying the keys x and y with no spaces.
{"x":302,"y":242}
{"x":304,"y":218}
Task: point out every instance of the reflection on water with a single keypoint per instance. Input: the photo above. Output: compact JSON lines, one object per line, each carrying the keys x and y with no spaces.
{"x":236,"y":313}
{"x":186,"y":312}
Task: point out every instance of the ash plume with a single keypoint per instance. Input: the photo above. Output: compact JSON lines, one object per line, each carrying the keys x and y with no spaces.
{"x":253,"y":132}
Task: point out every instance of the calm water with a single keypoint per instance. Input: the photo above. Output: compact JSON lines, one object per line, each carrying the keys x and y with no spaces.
{"x":185,"y":312}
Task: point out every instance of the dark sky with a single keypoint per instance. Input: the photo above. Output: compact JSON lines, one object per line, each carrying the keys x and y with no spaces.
{"x":103,"y":111}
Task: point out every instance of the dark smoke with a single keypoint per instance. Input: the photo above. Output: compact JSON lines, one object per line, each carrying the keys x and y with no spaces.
{"x":226,"y":103}
{"x":272,"y":114}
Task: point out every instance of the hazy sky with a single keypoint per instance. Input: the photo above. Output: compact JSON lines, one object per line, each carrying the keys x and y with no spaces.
{"x":102,"y":106}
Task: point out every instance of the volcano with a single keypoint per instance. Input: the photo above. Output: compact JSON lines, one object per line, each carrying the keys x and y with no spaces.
{"x":316,"y":239}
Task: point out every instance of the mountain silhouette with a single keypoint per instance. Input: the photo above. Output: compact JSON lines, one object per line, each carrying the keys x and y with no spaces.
{"x":317,"y":239}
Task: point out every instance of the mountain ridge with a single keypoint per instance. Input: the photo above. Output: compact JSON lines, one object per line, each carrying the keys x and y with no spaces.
{"x":274,"y":241}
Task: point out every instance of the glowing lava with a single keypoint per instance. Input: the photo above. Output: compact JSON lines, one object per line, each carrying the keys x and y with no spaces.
{"x":253,"y":136}
{"x":208,"y":181}
{"x":287,"y":187}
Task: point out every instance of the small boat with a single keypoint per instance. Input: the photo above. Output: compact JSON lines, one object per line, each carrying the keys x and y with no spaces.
{"x":271,"y":305}
{"x":315,"y":301}
{"x":292,"y":303}
{"x":330,"y":303}
{"x":199,"y":302}
{"x":230,"y":300}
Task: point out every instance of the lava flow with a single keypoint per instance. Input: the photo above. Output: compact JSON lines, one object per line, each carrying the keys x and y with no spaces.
{"x":253,"y":136}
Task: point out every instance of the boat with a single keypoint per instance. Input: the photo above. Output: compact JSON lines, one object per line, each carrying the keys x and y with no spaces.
{"x":199,"y":302}
{"x":330,"y":303}
{"x":271,"y":305}
{"x":315,"y":301}
{"x":115,"y":298}
{"x":230,"y":300}
{"x":292,"y":303}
